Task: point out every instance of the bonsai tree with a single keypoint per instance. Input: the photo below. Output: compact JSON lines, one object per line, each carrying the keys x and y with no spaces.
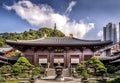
{"x":5,"y":69}
{"x":84,"y":67}
{"x":82,"y":70}
{"x":21,"y":65}
{"x":36,"y":71}
{"x":85,"y":75}
{"x":97,"y":65}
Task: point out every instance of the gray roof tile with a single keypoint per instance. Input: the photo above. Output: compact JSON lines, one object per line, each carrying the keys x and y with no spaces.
{"x":57,"y":41}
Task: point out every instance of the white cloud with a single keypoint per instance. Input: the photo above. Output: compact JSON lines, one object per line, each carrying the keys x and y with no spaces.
{"x":100,"y":34}
{"x":71,"y":5}
{"x":117,"y":29}
{"x":43,"y":15}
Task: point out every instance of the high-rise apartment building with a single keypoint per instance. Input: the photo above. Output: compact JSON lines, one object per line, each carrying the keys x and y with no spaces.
{"x":119,"y":32}
{"x":110,"y":33}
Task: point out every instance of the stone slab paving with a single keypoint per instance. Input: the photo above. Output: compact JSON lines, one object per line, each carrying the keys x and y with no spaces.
{"x":50,"y":80}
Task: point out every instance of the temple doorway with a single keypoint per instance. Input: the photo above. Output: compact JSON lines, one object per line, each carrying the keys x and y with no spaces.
{"x":58,"y":59}
{"x":43,"y":60}
{"x":74,"y":60}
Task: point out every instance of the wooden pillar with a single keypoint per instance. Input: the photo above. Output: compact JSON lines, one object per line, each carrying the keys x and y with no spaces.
{"x":51,"y":60}
{"x":65,"y":60}
{"x":34,"y":59}
{"x":79,"y":58}
{"x":83,"y":55}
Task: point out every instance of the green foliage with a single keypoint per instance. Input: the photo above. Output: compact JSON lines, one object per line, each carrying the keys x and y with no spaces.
{"x":36,"y":71}
{"x":29,"y":35}
{"x":2,"y":79}
{"x":116,"y":80}
{"x":16,"y":70}
{"x":5,"y":69}
{"x":101,"y":70}
{"x":111,"y":68}
{"x":23,"y":75}
{"x":82,"y":70}
{"x":16,"y":54}
{"x":98,"y":66}
{"x":79,"y":69}
{"x":21,"y":65}
{"x":117,"y":72}
{"x":85,"y":74}
{"x":94,"y":63}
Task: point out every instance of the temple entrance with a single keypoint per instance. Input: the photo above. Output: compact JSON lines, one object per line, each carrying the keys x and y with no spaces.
{"x":74,"y":60}
{"x":43,"y":60}
{"x":58,"y":59}
{"x":55,"y":64}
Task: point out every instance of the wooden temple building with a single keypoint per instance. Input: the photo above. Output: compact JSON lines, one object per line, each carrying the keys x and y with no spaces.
{"x":66,"y":50}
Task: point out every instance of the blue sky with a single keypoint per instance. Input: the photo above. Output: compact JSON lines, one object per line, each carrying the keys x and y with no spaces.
{"x":83,"y":18}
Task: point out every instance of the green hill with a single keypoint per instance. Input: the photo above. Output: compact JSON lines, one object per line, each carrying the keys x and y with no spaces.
{"x":29,"y":35}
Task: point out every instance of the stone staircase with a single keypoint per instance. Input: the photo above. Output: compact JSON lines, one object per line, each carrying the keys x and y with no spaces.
{"x":51,"y":72}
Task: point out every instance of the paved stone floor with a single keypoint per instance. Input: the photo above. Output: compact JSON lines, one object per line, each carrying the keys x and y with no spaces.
{"x":49,"y":80}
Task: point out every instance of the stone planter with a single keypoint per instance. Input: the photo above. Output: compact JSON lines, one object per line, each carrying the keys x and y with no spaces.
{"x":32,"y":80}
{"x":84,"y":80}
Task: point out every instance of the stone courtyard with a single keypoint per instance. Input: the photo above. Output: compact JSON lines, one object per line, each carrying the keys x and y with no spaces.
{"x":48,"y":80}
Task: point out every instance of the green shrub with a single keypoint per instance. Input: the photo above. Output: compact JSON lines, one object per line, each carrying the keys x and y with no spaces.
{"x":23,"y":75}
{"x":84,"y":74}
{"x":36,"y":70}
{"x":2,"y":79}
{"x":116,"y":80}
{"x":5,"y":69}
{"x":97,"y":66}
{"x":101,"y":70}
{"x":117,"y":73}
{"x":21,"y":65}
{"x":111,"y":68}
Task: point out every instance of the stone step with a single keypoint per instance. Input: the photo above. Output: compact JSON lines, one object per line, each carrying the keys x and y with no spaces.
{"x":51,"y":72}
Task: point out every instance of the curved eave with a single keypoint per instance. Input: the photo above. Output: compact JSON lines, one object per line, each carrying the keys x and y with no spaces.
{"x":9,"y":42}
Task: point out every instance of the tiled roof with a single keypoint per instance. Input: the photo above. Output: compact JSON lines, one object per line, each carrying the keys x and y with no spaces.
{"x":115,"y":61}
{"x":3,"y":57}
{"x":5,"y":49}
{"x":109,"y":57}
{"x":57,"y":41}
{"x":3,"y":62}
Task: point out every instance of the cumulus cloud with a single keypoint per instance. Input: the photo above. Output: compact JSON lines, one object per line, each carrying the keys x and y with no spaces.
{"x":43,"y":15}
{"x":100,"y":34}
{"x":71,"y":5}
{"x":117,"y":29}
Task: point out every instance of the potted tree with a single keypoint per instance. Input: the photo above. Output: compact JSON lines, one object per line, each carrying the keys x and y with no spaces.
{"x":85,"y":76}
{"x":82,"y":71}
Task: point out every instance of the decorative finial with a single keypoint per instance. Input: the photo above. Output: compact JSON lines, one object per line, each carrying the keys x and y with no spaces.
{"x":55,"y":26}
{"x":54,"y":31}
{"x":71,"y":35}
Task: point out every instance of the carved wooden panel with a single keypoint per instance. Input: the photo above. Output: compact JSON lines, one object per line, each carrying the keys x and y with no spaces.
{"x":74,"y":56}
{"x":30,"y":58}
{"x":58,"y":56}
{"x":87,"y":57}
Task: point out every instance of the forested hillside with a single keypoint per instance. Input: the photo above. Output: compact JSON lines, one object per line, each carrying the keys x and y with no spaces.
{"x":29,"y":35}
